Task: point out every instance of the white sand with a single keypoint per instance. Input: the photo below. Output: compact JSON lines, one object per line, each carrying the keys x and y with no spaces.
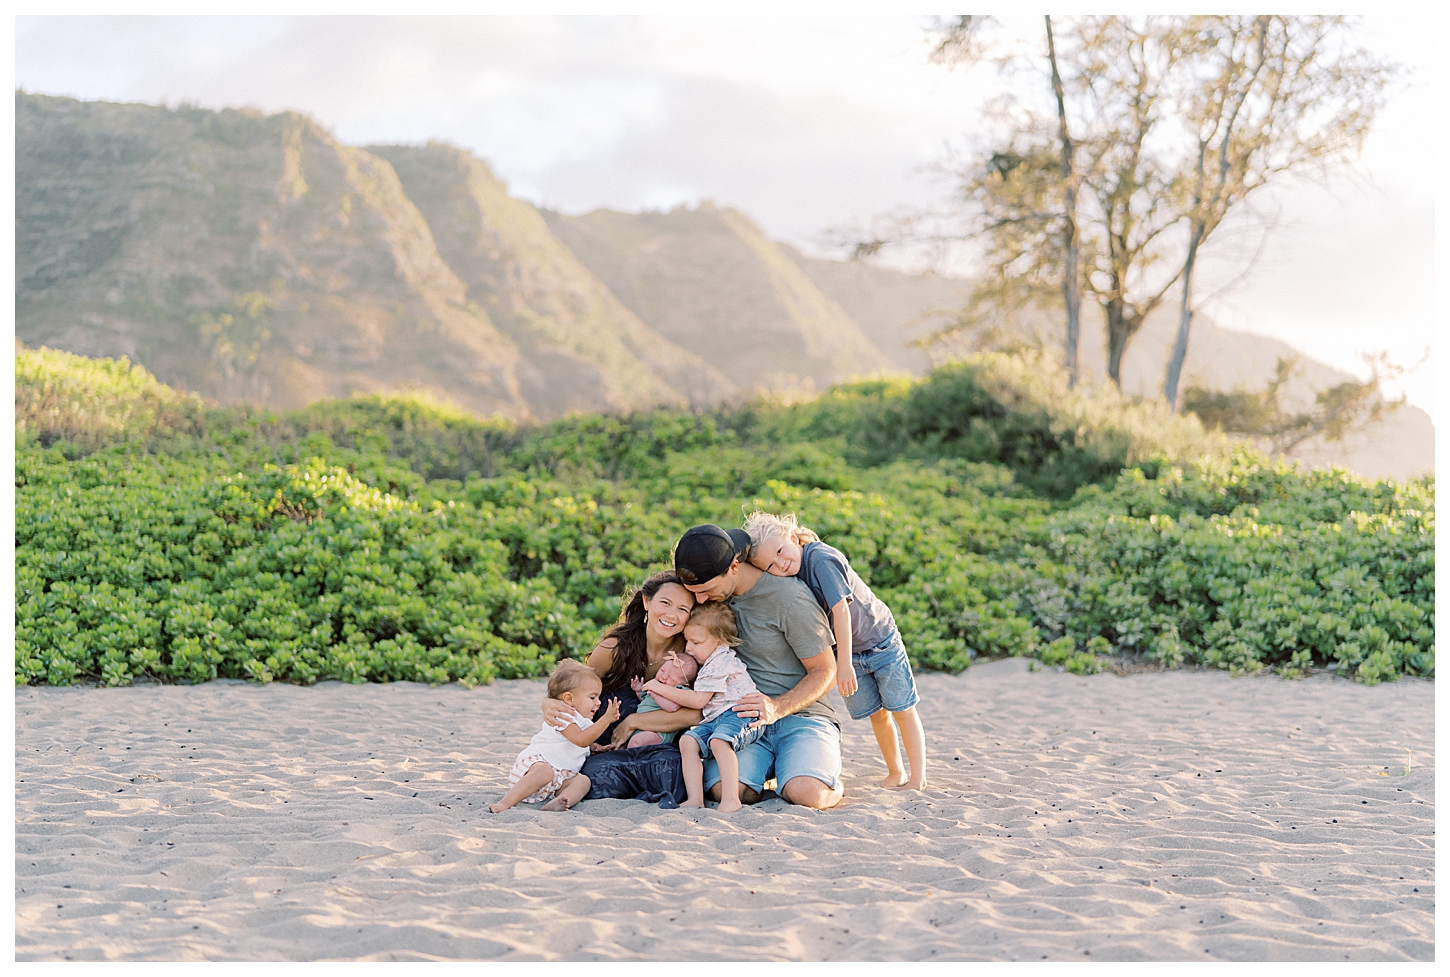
{"x":1183,"y":816}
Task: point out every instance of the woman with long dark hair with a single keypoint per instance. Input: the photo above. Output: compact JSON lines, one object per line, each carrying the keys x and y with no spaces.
{"x":649,"y":628}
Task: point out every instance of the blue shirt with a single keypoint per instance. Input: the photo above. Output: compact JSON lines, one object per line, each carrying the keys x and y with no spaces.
{"x":828,"y":574}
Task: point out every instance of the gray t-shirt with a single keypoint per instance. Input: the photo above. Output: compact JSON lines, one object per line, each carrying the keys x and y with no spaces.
{"x":780,"y":625}
{"x":825,"y":570}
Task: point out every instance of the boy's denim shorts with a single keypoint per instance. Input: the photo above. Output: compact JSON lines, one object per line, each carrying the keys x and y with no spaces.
{"x":793,"y":746}
{"x":729,"y":726}
{"x":883,"y":679}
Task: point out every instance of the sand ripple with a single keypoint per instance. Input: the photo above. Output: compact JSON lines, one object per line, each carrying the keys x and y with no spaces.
{"x":1183,"y":816}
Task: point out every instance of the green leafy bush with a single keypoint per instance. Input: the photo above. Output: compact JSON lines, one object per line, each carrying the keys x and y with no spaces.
{"x":384,"y":538}
{"x":87,"y":403}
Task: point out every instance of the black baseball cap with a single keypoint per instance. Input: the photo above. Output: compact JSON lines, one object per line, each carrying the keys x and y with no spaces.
{"x":707,"y":551}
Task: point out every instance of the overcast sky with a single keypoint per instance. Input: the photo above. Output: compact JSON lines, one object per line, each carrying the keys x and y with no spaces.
{"x":804,"y":123}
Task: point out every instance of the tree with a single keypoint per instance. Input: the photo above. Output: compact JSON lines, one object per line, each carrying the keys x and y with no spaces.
{"x":1071,"y":277}
{"x":1260,"y":414}
{"x":1163,"y":126}
{"x":1127,"y":73}
{"x":1271,"y":97}
{"x":960,"y":43}
{"x":1076,"y":214}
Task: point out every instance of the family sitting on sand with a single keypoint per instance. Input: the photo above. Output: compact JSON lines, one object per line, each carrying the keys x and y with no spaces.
{"x":729,"y":654}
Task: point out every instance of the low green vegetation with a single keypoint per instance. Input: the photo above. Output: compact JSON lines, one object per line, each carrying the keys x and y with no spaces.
{"x":388,"y":538}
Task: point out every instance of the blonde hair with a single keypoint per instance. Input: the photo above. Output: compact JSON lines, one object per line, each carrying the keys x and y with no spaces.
{"x":717,"y":619}
{"x":761,"y":525}
{"x":568,"y":675}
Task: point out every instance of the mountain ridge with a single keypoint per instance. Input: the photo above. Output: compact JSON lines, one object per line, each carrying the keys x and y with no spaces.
{"x":254,"y":257}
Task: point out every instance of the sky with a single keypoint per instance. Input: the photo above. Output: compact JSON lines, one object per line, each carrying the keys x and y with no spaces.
{"x":809,"y":124}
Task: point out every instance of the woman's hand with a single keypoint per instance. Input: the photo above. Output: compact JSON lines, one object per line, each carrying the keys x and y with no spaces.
{"x":556,"y":714}
{"x":622,"y":733}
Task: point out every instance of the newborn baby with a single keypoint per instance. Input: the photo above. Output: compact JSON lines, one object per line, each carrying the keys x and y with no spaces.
{"x":675,"y":672}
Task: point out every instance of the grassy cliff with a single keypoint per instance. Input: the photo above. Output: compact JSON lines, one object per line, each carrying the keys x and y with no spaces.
{"x":256,"y":259}
{"x":253,"y":257}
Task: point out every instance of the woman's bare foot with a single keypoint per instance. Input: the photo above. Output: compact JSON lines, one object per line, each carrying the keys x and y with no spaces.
{"x":729,"y":806}
{"x":894,"y":780}
{"x":496,"y":809}
{"x":689,"y":803}
{"x":557,"y":804}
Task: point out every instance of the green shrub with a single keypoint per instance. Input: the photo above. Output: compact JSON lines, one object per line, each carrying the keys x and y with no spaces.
{"x":384,"y":538}
{"x":86,"y":403}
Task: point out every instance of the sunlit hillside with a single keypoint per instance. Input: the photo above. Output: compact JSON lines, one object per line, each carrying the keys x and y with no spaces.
{"x":254,"y":259}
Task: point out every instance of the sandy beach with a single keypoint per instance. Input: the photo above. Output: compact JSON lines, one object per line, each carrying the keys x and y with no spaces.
{"x":1171,"y":816}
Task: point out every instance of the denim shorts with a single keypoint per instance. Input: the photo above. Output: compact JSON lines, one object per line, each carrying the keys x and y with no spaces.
{"x":729,"y":726}
{"x":790,"y":747}
{"x":883,"y":680}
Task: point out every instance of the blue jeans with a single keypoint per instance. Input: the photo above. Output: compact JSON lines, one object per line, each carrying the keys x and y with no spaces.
{"x":795,"y":746}
{"x":729,"y":726}
{"x":883,"y":680}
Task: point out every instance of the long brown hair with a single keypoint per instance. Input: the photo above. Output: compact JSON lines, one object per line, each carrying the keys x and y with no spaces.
{"x":631,"y":650}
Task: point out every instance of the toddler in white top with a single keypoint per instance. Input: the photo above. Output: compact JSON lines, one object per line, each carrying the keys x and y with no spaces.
{"x":710,"y":638}
{"x":548,"y":768}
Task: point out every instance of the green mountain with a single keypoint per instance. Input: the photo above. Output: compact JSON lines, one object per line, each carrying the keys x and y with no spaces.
{"x":710,"y":280}
{"x":893,"y":310}
{"x":582,"y":349}
{"x":244,"y":256}
{"x":254,"y":258}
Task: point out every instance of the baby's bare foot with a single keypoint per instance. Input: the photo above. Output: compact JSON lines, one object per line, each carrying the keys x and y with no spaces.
{"x":496,"y":809}
{"x":894,"y":780}
{"x":557,"y":804}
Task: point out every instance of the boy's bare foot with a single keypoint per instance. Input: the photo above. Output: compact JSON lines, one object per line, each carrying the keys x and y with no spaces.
{"x":729,"y":807}
{"x":557,"y":804}
{"x":894,"y":780}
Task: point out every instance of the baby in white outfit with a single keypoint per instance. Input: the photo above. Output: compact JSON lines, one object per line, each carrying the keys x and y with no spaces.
{"x":548,"y":768}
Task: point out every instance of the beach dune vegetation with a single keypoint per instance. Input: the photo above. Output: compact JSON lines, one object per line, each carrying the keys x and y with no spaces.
{"x":382,"y":538}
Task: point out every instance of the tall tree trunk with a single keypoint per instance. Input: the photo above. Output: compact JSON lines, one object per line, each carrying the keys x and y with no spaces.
{"x":1071,"y":280}
{"x":1185,"y":320}
{"x":1118,"y":336}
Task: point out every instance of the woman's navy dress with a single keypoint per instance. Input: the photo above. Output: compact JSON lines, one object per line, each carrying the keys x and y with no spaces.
{"x":646,"y":773}
{"x":628,"y":704}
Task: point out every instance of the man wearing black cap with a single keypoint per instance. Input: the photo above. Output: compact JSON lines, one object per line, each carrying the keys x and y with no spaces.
{"x":785,"y":643}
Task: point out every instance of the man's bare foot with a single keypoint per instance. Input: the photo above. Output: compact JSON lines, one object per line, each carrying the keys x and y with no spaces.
{"x":689,"y":803}
{"x":730,"y":807}
{"x":894,"y":780}
{"x":557,"y":804}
